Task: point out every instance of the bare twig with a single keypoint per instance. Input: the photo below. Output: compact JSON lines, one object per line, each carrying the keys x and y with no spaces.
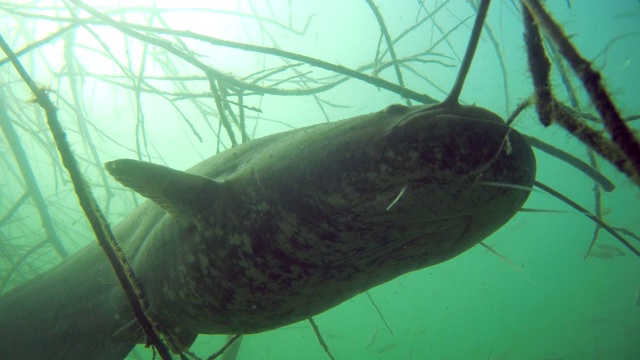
{"x":588,"y":214}
{"x":585,"y":168}
{"x":384,"y":321}
{"x":12,"y":210}
{"x":624,"y":150}
{"x":98,"y":222}
{"x":224,"y":348}
{"x":454,"y":95}
{"x":130,"y":29}
{"x":27,"y":175}
{"x":387,"y":39}
{"x":503,"y":66}
{"x":320,"y":339}
{"x":14,"y":267}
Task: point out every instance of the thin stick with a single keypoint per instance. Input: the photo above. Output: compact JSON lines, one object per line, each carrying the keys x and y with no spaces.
{"x":129,"y":30}
{"x":454,"y":95}
{"x":384,"y":321}
{"x":539,"y":67}
{"x":588,"y":214}
{"x":503,"y":66}
{"x":220,"y":106}
{"x":620,"y":133}
{"x":548,"y":107}
{"x":12,"y":210}
{"x":597,"y":208}
{"x":6,"y":125}
{"x":387,"y":39}
{"x":14,"y":267}
{"x":320,"y":339}
{"x":75,"y":86}
{"x":519,"y":109}
{"x":417,"y":24}
{"x":46,"y":40}
{"x":225,"y":347}
{"x":580,"y":165}
{"x":593,"y":161}
{"x":98,"y":222}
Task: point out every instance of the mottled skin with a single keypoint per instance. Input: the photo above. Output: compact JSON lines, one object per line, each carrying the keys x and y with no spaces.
{"x":284,"y":227}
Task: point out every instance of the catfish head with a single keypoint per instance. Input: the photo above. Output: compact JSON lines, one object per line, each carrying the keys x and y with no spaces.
{"x":284,"y":227}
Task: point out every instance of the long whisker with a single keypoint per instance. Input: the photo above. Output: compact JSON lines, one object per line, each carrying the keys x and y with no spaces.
{"x":397,"y":197}
{"x":530,"y":210}
{"x":503,"y":258}
{"x":506,"y":185}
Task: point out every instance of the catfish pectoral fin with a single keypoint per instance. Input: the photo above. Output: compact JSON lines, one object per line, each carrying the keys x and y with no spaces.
{"x":179,"y":193}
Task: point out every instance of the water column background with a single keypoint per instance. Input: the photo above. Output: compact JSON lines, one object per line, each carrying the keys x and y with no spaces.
{"x":551,"y":304}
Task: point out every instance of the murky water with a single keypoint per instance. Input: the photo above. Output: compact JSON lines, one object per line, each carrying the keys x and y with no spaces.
{"x":120,"y":98}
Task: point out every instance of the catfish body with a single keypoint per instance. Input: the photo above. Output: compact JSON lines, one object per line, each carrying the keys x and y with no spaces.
{"x":282,"y":228}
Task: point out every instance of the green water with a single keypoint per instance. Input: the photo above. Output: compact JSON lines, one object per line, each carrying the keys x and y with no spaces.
{"x":546,"y":302}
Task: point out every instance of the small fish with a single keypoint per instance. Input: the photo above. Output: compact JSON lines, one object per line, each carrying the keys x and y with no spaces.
{"x":409,"y":354}
{"x":602,"y":251}
{"x":600,"y":254}
{"x":372,"y":338}
{"x":385,"y":348}
{"x":610,"y":249}
{"x":332,"y":336}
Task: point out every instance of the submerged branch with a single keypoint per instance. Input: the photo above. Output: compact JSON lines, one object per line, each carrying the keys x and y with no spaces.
{"x":624,"y":149}
{"x":98,"y":222}
{"x":387,"y":39}
{"x":454,"y":95}
{"x":582,"y":166}
{"x":232,"y":340}
{"x":588,"y":214}
{"x":15,"y":266}
{"x":12,"y":210}
{"x":28,"y":176}
{"x":324,"y":345}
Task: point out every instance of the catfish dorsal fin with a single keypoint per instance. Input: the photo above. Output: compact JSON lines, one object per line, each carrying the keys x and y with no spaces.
{"x":181,"y":194}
